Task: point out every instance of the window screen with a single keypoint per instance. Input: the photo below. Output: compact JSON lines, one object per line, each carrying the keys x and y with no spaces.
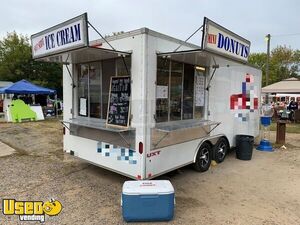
{"x":180,"y":92}
{"x":176,"y":91}
{"x":94,"y":82}
{"x":162,"y":90}
{"x":188,"y":92}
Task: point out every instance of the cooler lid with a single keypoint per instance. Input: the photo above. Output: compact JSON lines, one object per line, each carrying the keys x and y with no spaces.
{"x":147,"y":187}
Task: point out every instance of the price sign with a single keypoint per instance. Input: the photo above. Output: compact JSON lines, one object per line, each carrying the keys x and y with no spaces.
{"x":119,"y":102}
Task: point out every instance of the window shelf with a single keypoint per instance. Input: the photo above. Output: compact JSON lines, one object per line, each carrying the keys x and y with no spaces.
{"x":97,"y":124}
{"x":184,"y":124}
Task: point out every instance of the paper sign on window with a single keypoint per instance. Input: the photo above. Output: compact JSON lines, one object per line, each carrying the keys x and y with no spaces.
{"x":83,"y":107}
{"x":161,"y":91}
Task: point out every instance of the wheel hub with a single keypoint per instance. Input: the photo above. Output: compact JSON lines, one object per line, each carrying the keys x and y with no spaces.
{"x":221,"y":150}
{"x":204,"y":157}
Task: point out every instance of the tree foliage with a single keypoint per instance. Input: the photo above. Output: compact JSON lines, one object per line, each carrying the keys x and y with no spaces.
{"x":16,"y":63}
{"x":284,"y":63}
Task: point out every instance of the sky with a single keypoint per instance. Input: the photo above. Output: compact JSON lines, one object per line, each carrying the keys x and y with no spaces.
{"x":252,"y":19}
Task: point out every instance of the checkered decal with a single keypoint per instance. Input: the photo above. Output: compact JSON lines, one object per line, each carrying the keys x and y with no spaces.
{"x":242,"y":117}
{"x":247,"y":100}
{"x":120,"y":153}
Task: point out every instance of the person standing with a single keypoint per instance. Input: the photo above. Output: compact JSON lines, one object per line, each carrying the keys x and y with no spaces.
{"x":292,"y":107}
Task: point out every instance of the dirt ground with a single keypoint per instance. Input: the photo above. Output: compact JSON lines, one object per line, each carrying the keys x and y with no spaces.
{"x":265,"y":190}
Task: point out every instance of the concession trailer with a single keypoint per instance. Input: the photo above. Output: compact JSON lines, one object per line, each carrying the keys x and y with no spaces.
{"x":141,"y":103}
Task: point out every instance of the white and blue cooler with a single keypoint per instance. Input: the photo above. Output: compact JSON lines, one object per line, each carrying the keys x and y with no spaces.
{"x":148,"y":200}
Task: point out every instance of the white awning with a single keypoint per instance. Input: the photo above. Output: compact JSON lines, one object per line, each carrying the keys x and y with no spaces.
{"x":84,"y":54}
{"x":201,"y":57}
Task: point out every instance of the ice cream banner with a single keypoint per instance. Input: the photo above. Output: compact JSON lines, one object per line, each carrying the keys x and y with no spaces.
{"x":66,"y":36}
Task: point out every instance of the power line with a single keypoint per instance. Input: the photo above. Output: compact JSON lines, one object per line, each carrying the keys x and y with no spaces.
{"x":285,"y":35}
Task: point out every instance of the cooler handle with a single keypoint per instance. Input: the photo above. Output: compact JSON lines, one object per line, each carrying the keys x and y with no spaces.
{"x":149,"y":196}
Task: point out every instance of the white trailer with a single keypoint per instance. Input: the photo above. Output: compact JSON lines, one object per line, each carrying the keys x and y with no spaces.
{"x":186,"y":106}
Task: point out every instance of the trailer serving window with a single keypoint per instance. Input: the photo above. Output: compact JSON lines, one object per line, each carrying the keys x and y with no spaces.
{"x":93,"y":68}
{"x":179,"y":91}
{"x":93,"y":85}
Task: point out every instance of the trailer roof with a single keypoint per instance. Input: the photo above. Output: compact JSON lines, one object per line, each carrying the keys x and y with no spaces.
{"x":144,"y":30}
{"x":83,"y":54}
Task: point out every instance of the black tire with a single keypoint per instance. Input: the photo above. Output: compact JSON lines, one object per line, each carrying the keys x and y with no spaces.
{"x":220,"y":150}
{"x":203,"y":158}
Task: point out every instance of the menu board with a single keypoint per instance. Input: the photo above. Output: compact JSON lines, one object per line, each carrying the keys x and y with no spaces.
{"x":118,"y":104}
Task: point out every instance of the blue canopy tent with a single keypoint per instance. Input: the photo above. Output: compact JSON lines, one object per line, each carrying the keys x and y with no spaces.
{"x":25,"y":87}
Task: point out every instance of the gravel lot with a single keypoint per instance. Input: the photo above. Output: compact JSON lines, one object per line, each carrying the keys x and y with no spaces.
{"x":265,"y":190}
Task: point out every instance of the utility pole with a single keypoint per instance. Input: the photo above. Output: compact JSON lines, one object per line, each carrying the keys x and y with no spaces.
{"x":268,"y":37}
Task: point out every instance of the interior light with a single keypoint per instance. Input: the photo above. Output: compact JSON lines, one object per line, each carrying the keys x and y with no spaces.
{"x":200,"y":68}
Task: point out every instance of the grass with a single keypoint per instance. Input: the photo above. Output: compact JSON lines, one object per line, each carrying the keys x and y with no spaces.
{"x":290,"y":127}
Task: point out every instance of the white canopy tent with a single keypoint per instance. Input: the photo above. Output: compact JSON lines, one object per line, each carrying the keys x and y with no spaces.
{"x":287,"y":86}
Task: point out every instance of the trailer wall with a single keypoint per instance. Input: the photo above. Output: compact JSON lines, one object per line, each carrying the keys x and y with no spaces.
{"x":121,"y":159}
{"x":228,"y":87}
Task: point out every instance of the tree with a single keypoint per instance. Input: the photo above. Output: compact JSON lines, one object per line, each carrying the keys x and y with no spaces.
{"x":259,"y":60}
{"x":283,"y":60}
{"x":16,"y":63}
{"x":284,"y":63}
{"x":14,"y":56}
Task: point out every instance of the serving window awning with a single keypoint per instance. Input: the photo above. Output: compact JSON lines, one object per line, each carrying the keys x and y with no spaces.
{"x":200,"y":57}
{"x":84,"y":54}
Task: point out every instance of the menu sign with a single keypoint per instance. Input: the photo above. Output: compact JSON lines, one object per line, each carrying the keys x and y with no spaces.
{"x":199,"y":90}
{"x":118,"y":105}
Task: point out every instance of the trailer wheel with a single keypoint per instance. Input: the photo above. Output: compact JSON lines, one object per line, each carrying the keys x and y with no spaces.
{"x":203,"y":158}
{"x":220,"y":150}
